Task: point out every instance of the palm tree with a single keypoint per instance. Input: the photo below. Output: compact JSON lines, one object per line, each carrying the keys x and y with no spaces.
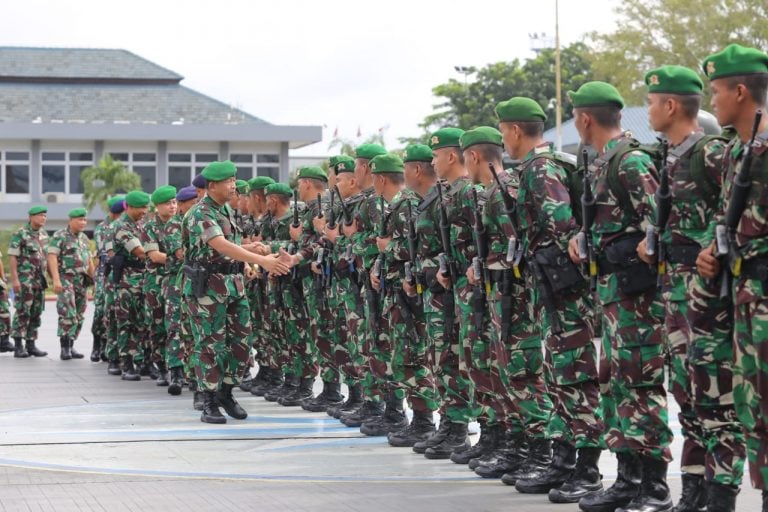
{"x":106,"y":179}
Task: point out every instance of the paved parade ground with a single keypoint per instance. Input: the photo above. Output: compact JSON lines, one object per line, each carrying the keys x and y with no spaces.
{"x":74,"y":438}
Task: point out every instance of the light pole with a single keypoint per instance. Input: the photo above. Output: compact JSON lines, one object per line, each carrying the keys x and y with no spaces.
{"x":466,"y":71}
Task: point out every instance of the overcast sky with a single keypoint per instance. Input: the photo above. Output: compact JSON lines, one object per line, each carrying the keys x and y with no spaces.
{"x":335,"y":63}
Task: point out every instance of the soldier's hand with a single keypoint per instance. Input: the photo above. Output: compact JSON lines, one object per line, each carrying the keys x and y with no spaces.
{"x":290,"y":259}
{"x":382,"y":243}
{"x":707,"y":264}
{"x":643,"y":254}
{"x":250,"y":273}
{"x":57,"y":288}
{"x":318,"y":224}
{"x":258,"y":238}
{"x":375,"y":283}
{"x":409,"y":289}
{"x":349,"y":230}
{"x":16,"y":286}
{"x":444,"y":281}
{"x":295,"y":233}
{"x":316,"y":268}
{"x":332,"y":234}
{"x":573,"y":250}
{"x":471,"y":277}
{"x":275,"y":264}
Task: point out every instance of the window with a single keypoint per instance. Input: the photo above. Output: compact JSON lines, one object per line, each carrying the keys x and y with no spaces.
{"x":272,"y":172}
{"x":250,"y":165}
{"x":62,"y":171}
{"x":15,"y":172}
{"x":183,"y":167}
{"x":244,"y":163}
{"x":143,"y":164}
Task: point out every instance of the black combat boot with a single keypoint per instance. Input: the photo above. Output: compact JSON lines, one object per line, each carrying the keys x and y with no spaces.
{"x":585,"y":478}
{"x":177,"y":381}
{"x":32,"y":350}
{"x":270,"y":380}
{"x":538,"y":460}
{"x":368,"y":411}
{"x":434,"y":439}
{"x":5,"y":344}
{"x":246,"y":383}
{"x":765,"y":501}
{"x":623,"y":490}
{"x":511,"y":457}
{"x":301,"y":393}
{"x":721,"y":498}
{"x":66,"y":354}
{"x":261,"y":377}
{"x":498,"y":439}
{"x":694,"y":495}
{"x":18,"y":349}
{"x":74,"y":353}
{"x":113,"y":368}
{"x":654,"y":492}
{"x":330,"y":396}
{"x":563,"y":462}
{"x":488,"y":442}
{"x":162,"y":371}
{"x":96,"y":349}
{"x":392,"y":420}
{"x":289,"y":385}
{"x":353,"y":402}
{"x":104,"y":358}
{"x":228,"y":402}
{"x":456,"y":441}
{"x":129,"y":370}
{"x":421,"y":428}
{"x":198,"y":397}
{"x":211,"y":412}
{"x":154,"y":370}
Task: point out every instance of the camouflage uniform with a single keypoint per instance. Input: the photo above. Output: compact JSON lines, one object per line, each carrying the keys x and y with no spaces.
{"x":153,"y":239}
{"x":111,"y":350}
{"x":99,"y":327}
{"x":255,"y":291}
{"x":546,"y":218}
{"x":222,"y":317}
{"x":129,"y":297}
{"x":73,"y":253}
{"x":29,"y":248}
{"x":632,"y":357}
{"x":177,"y":351}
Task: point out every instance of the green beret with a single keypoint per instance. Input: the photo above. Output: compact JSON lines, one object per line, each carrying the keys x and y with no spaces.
{"x":417,"y":153}
{"x":673,"y":80}
{"x":219,"y":171}
{"x":241,"y":186}
{"x":259,"y":183}
{"x":343,"y":163}
{"x":369,"y":151}
{"x":279,"y":188}
{"x":387,"y":164}
{"x":313,"y":171}
{"x":114,"y":200}
{"x":35,"y":210}
{"x":137,"y":199}
{"x":163,"y":194}
{"x":77,"y":212}
{"x":481,"y":135}
{"x":596,"y":94}
{"x":520,"y":109}
{"x":446,"y":138}
{"x":735,"y":60}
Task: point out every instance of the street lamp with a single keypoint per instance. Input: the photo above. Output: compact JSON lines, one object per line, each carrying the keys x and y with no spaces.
{"x":465,"y":70}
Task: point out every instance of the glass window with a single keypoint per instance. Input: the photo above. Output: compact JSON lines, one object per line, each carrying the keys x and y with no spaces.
{"x":16,"y":155}
{"x":53,"y":178}
{"x":147,"y":173}
{"x":144,"y":157}
{"x":206,"y":157}
{"x":272,"y":172}
{"x":179,"y":157}
{"x":53,"y":155}
{"x":120,"y":157}
{"x":241,"y":158}
{"x":80,"y":157}
{"x":268,"y":159}
{"x":199,"y":169}
{"x":75,"y":183}
{"x":244,"y":172}
{"x":179,"y":177}
{"x":16,"y":179}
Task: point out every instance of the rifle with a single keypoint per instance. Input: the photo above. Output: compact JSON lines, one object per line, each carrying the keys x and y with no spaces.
{"x":584,"y":238}
{"x":346,"y":213}
{"x":379,"y":264}
{"x":480,"y":264}
{"x":742,"y":184}
{"x":411,"y":267}
{"x":514,"y":249}
{"x":293,"y":247}
{"x":447,"y":264}
{"x":328,"y":268}
{"x":654,"y":233}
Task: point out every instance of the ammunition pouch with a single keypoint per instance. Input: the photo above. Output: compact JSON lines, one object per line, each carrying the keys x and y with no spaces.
{"x":633,"y":275}
{"x":560,"y":272}
{"x":755,"y":268}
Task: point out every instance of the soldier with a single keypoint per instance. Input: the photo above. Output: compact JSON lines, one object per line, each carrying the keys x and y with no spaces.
{"x":739,"y":80}
{"x":546,"y":221}
{"x":72,"y":270}
{"x":697,"y":321}
{"x":5,"y":312}
{"x":215,"y":287}
{"x":632,"y":359}
{"x":199,"y":183}
{"x":111,"y":351}
{"x":128,"y":276}
{"x":26,"y":257}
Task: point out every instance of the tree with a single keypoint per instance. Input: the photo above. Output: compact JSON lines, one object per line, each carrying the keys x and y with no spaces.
{"x":652,"y":33}
{"x":106,"y":179}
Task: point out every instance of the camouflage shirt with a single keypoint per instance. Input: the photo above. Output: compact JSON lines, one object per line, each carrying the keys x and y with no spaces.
{"x":396,"y":227}
{"x":366,"y":218}
{"x":99,"y":238}
{"x":427,"y":219}
{"x":127,"y":237}
{"x":461,"y":212}
{"x":499,"y":227}
{"x":171,"y":234}
{"x":28,"y":246}
{"x":153,"y":239}
{"x":72,"y":251}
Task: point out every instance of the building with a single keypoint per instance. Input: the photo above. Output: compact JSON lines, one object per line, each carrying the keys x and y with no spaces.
{"x":62,"y":109}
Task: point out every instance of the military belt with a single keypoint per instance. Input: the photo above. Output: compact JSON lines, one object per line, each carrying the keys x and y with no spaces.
{"x":233,"y":267}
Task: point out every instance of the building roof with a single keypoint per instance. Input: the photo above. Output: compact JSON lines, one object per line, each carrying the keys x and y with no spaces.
{"x":634,"y":119}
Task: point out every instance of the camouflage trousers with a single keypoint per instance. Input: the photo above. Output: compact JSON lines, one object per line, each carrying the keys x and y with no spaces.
{"x":374,"y":386}
{"x":111,"y":349}
{"x":750,"y":384}
{"x":275,"y":328}
{"x":28,"y":307}
{"x":129,"y":306}
{"x":297,"y":358}
{"x":321,"y":321}
{"x":453,"y":385}
{"x":257,"y":339}
{"x":571,"y":359}
{"x":381,"y":351}
{"x":98,"y":326}
{"x":351,"y":327}
{"x":524,"y":372}
{"x":632,"y":375}
{"x":5,"y":311}
{"x":177,"y":350}
{"x":70,"y":305}
{"x":709,"y":368}
{"x":220,"y":327}
{"x":154,"y":314}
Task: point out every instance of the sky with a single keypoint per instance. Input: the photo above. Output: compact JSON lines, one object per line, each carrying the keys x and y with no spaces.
{"x":343,"y":65}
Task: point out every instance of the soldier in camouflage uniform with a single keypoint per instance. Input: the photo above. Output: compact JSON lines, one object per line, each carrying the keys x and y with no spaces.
{"x":632,"y":358}
{"x":111,"y":352}
{"x":697,"y":321}
{"x":5,"y":312}
{"x":739,"y":80}
{"x":128,"y":276}
{"x":216,"y":289}
{"x":71,"y":267}
{"x":156,"y":273}
{"x":26,"y":257}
